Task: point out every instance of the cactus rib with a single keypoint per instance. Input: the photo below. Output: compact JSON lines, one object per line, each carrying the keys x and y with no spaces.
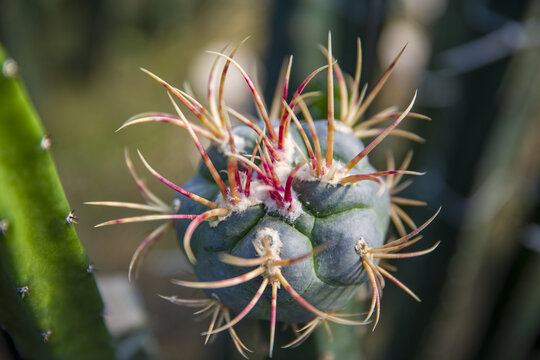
{"x":57,"y":312}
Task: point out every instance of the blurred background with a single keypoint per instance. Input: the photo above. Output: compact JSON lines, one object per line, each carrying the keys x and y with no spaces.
{"x":475,"y":63}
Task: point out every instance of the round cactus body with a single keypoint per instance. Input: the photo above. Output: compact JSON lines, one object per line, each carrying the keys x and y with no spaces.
{"x":285,"y":219}
{"x":334,"y":216}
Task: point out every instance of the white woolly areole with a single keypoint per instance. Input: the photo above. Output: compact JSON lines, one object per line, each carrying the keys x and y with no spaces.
{"x":283,"y":167}
{"x":290,"y":211}
{"x":268,"y":242}
{"x":260,"y":192}
{"x":239,"y":144}
{"x":259,"y":195}
{"x":342,"y":127}
{"x":234,"y":207}
{"x":176,"y":205}
{"x":331,"y":175}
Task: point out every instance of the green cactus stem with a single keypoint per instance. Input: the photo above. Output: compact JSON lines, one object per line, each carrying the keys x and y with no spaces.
{"x":49,"y":302}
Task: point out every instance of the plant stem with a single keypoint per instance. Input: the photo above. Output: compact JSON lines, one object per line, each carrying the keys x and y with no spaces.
{"x":49,"y":303}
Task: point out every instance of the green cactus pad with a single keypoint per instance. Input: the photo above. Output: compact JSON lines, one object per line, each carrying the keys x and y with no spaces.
{"x":50,"y":304}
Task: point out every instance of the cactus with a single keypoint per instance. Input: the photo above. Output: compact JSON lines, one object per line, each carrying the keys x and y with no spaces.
{"x":49,"y":302}
{"x":284,"y":220}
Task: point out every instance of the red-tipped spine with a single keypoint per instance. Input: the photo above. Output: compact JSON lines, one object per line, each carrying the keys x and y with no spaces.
{"x":258,"y":130}
{"x":256,"y":96}
{"x":355,"y":178}
{"x":379,"y":138}
{"x":312,"y":308}
{"x":234,"y":180}
{"x":267,"y":161}
{"x":288,"y":186}
{"x":360,"y":177}
{"x":273,"y":311}
{"x":314,"y":136}
{"x":412,"y":233}
{"x":177,"y":188}
{"x":365,"y":104}
{"x":221,"y":101}
{"x":407,"y":255}
{"x":148,"y":195}
{"x":221,"y":283}
{"x":343,"y":94}
{"x":206,"y":159}
{"x":247,"y":187}
{"x":193,"y":226}
{"x":246,"y":310}
{"x":168,"y":119}
{"x":144,"y":247}
{"x":305,"y":139}
{"x":282,"y":117}
{"x":144,"y":218}
{"x":375,"y":296}
{"x":355,"y":86}
{"x":295,"y":99}
{"x":198,"y":112}
{"x":330,"y":80}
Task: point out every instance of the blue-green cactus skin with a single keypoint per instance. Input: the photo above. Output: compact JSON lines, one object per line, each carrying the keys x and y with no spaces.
{"x":336,"y":215}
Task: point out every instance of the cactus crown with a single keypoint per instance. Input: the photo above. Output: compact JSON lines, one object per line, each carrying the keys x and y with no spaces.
{"x":264,"y":196}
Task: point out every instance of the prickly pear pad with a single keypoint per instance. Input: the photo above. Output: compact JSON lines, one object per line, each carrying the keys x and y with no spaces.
{"x":285,"y":218}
